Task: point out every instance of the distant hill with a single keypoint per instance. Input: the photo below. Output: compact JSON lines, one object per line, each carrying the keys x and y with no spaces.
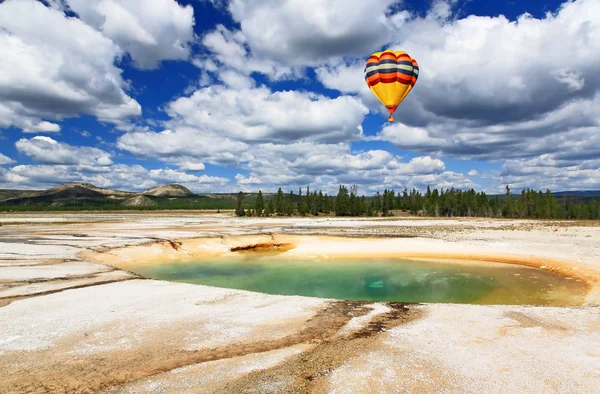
{"x":64,"y":191}
{"x":84,"y":196}
{"x":576,"y":195}
{"x":168,"y":190}
{"x":584,"y":194}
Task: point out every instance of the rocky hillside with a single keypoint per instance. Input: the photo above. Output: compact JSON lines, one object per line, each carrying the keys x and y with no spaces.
{"x":85,"y":188}
{"x":73,"y":190}
{"x":168,"y":190}
{"x":138,"y":201}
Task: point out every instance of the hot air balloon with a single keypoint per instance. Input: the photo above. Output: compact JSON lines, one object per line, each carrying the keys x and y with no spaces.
{"x":391,"y":75}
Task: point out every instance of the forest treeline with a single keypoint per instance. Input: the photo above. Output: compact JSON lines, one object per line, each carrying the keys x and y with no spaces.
{"x":435,"y":203}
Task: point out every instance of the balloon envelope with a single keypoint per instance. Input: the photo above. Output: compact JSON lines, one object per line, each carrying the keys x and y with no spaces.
{"x":391,"y":75}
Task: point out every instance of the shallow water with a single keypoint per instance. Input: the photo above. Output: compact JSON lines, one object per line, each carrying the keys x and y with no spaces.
{"x":378,"y":280}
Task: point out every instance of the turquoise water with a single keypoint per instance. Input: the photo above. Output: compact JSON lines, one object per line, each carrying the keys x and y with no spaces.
{"x":377,"y":280}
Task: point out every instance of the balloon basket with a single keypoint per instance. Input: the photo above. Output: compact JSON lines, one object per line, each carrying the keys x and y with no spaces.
{"x":391,"y":118}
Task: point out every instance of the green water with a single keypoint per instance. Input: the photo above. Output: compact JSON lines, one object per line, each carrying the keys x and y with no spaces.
{"x":378,"y":280}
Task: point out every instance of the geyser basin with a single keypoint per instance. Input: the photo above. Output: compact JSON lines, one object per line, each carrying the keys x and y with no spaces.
{"x":392,"y":269}
{"x":377,"y":280}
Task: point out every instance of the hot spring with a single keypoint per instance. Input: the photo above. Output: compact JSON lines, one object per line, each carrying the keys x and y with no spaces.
{"x":375,"y":279}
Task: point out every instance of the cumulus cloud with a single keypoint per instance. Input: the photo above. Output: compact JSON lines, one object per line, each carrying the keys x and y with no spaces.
{"x":322,"y":161}
{"x":420,"y":165}
{"x":236,"y":80}
{"x":491,"y":70}
{"x":189,"y":165}
{"x":150,"y":31}
{"x":229,"y":51}
{"x":49,"y":151}
{"x":170,"y":176}
{"x":65,"y":70}
{"x":489,"y":87}
{"x":549,"y":171}
{"x":260,"y":114}
{"x":171,"y":145}
{"x":5,"y":160}
{"x":11,"y":180}
{"x":294,"y":32}
{"x":326,"y":166}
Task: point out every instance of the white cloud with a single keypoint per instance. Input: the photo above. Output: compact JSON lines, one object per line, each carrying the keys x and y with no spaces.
{"x":321,"y":159}
{"x":262,"y":115}
{"x":49,"y":151}
{"x":325,"y":166}
{"x":188,"y":142}
{"x":412,"y":137}
{"x":150,"y":31}
{"x":230,"y":51}
{"x":298,"y":32}
{"x":5,"y":160}
{"x":212,"y":180}
{"x":492,"y":70}
{"x":280,"y":38}
{"x":487,"y":86}
{"x":172,"y":176}
{"x":10,"y":180}
{"x":236,"y":80}
{"x":191,"y":166}
{"x":548,"y":171}
{"x":420,"y":165}
{"x":62,"y":70}
{"x":487,"y":89}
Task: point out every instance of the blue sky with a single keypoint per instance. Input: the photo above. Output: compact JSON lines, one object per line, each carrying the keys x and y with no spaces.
{"x":249,"y":94}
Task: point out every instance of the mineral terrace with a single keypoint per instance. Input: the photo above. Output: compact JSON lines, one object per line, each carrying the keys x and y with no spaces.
{"x":72,"y":322}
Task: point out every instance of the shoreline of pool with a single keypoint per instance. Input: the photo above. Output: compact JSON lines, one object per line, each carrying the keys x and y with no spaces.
{"x":334,"y":248}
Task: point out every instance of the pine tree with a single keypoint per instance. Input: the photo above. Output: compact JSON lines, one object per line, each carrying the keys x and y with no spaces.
{"x":352,"y":205}
{"x":270,"y":208}
{"x":302,"y":203}
{"x":370,"y":210}
{"x":313,"y":207}
{"x":289,"y":204}
{"x":280,"y":203}
{"x":384,"y":204}
{"x":377,"y":203}
{"x":260,"y":204}
{"x":321,"y":202}
{"x":362,"y":206}
{"x":524,"y":204}
{"x":508,"y":208}
{"x":342,"y":202}
{"x":239,"y":206}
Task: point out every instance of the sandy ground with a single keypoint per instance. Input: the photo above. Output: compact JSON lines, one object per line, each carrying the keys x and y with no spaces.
{"x":70,"y":321}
